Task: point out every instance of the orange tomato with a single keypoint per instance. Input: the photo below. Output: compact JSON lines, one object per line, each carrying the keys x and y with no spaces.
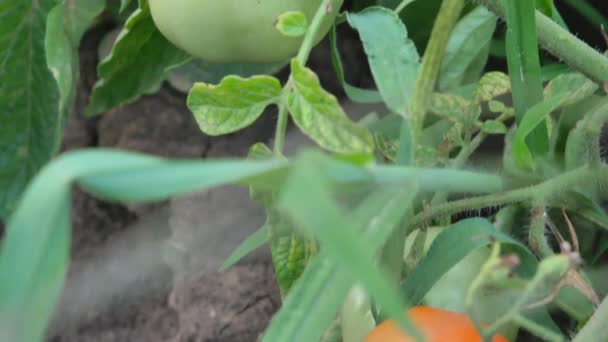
{"x":436,"y":325}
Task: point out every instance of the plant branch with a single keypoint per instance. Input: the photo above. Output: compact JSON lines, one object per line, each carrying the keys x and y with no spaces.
{"x":281,"y":130}
{"x":448,"y":16}
{"x":563,"y":45}
{"x":530,"y":194}
{"x":325,"y":9}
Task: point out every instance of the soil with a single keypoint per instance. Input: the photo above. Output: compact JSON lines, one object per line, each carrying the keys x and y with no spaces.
{"x":150,"y":272}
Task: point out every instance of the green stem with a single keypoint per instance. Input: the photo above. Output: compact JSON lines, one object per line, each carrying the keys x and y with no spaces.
{"x":537,"y":237}
{"x":281,"y":130}
{"x":563,"y":45}
{"x":402,"y":5}
{"x":543,"y":190}
{"x":411,"y":128}
{"x":324,"y":10}
{"x":459,"y":162}
{"x":516,"y":307}
{"x":448,"y":16}
{"x":593,"y":124}
{"x":596,"y":328}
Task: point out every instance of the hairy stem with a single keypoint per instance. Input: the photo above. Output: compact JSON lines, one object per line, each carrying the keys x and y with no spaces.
{"x":529,"y":194}
{"x":448,"y":16}
{"x":563,"y":45}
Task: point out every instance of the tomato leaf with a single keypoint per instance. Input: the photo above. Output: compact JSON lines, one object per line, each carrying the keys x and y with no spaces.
{"x":233,"y":104}
{"x":139,"y":62}
{"x":38,"y":68}
{"x":292,"y":24}
{"x":493,"y":127}
{"x":450,"y":107}
{"x":392,"y":56}
{"x":574,"y":87}
{"x":471,"y":37}
{"x":356,"y":94}
{"x":319,"y":115}
{"x":491,"y":85}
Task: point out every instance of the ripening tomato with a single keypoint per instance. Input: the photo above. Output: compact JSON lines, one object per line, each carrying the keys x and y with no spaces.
{"x":234,"y":31}
{"x":436,"y":325}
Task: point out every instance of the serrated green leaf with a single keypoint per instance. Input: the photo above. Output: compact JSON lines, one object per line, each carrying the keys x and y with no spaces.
{"x":491,"y":85}
{"x":233,"y":104}
{"x":138,"y":64}
{"x":319,"y":115}
{"x":451,"y":107}
{"x":392,"y":56}
{"x":575,"y":87}
{"x":292,"y":24}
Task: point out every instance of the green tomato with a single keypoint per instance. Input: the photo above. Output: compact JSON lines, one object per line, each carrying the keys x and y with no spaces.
{"x":234,"y":31}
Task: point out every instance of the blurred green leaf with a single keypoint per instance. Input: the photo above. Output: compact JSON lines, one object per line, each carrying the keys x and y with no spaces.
{"x":356,"y":317}
{"x":450,"y":107}
{"x":292,"y":24}
{"x":546,"y":7}
{"x":253,"y":242}
{"x":471,"y":36}
{"x":306,"y":199}
{"x":393,"y":58}
{"x":34,"y":254}
{"x":452,"y":245}
{"x":533,"y":117}
{"x":319,"y":115}
{"x":524,"y":67}
{"x":233,"y":104}
{"x":493,"y":127}
{"x":574,"y":86}
{"x":315,"y":299}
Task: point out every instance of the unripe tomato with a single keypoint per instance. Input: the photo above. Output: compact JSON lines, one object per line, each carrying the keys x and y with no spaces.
{"x":435,"y":325}
{"x":234,"y":31}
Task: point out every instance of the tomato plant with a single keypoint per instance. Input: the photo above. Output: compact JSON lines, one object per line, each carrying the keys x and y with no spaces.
{"x":400,"y":208}
{"x":233,"y":30}
{"x":436,"y":325}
